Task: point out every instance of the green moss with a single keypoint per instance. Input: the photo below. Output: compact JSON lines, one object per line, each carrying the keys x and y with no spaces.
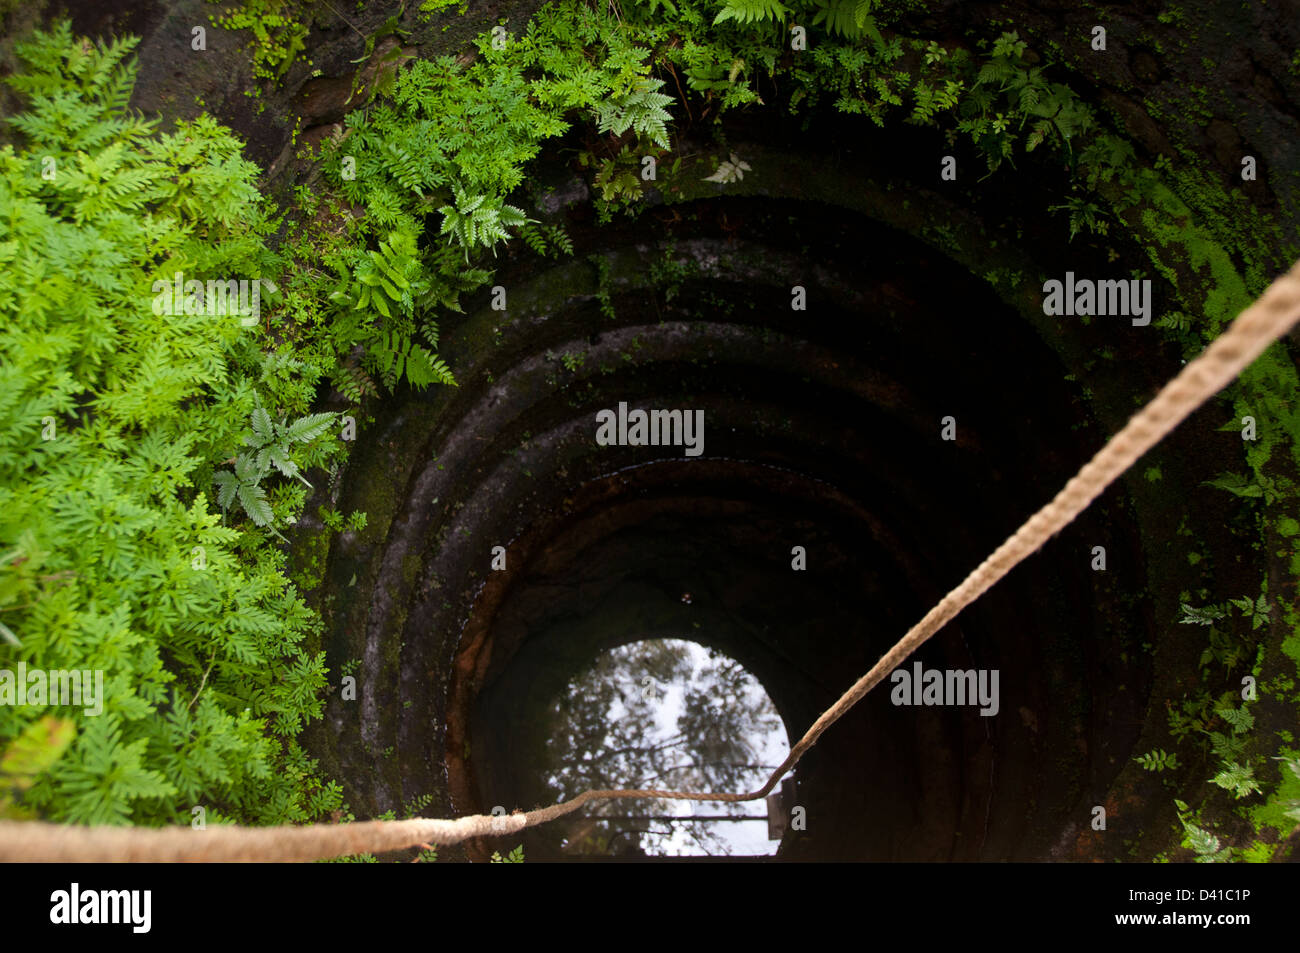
{"x":1271,"y":815}
{"x":307,"y":559}
{"x":279,"y":33}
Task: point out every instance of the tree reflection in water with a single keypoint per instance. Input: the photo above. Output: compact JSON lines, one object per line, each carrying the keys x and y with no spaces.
{"x":672,"y":715}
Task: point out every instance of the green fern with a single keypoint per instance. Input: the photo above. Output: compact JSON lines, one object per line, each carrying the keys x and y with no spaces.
{"x":561,"y":244}
{"x":546,"y":240}
{"x":1158,"y":760}
{"x":850,"y":19}
{"x":1226,"y":747}
{"x":353,"y":383}
{"x":116,"y":534}
{"x":930,"y":101}
{"x":390,"y":280}
{"x":729,"y":170}
{"x":533,"y":237}
{"x":1239,"y":779}
{"x":1084,"y":215}
{"x":640,"y":108}
{"x":1206,"y":615}
{"x":1203,"y":843}
{"x":479,"y":220}
{"x":656,"y":5}
{"x":1238,"y":485}
{"x":270,"y":448}
{"x":616,"y":177}
{"x":1257,"y":611}
{"x":79,"y":91}
{"x":1240,"y":720}
{"x":1177,"y":321}
{"x":396,"y":356}
{"x":751,"y":11}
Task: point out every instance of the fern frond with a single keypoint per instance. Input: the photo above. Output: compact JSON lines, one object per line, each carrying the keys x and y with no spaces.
{"x":253,"y":499}
{"x":751,"y":11}
{"x":307,"y":429}
{"x":397,"y":356}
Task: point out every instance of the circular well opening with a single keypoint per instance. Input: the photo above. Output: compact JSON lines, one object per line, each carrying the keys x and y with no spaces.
{"x":663,"y":714}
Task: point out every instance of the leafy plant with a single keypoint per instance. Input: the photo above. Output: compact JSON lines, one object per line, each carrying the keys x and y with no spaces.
{"x":479,"y":220}
{"x":1203,"y":843}
{"x":1084,"y":215}
{"x":270,"y":447}
{"x":1237,"y":778}
{"x":1237,"y":484}
{"x":1191,"y":715}
{"x":1008,"y":89}
{"x":729,"y":170}
{"x":1234,"y":776}
{"x":932,"y":100}
{"x":656,"y":5}
{"x":617,"y":177}
{"x":849,"y":18}
{"x":1257,"y":611}
{"x":1240,"y":720}
{"x":1226,"y":647}
{"x":387,"y":288}
{"x":640,"y":108}
{"x":389,"y":280}
{"x":398,"y":356}
{"x":546,"y":240}
{"x":1207,"y":615}
{"x":1158,"y":760}
{"x":751,"y":11}
{"x":430,"y":8}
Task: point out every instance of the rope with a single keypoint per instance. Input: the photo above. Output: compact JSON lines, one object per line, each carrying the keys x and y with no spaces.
{"x":1245,"y":339}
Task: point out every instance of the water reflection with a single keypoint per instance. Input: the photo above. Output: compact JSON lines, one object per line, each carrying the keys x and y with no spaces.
{"x":672,"y":715}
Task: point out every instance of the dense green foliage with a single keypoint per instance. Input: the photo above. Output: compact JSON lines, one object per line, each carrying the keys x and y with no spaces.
{"x":113,"y":419}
